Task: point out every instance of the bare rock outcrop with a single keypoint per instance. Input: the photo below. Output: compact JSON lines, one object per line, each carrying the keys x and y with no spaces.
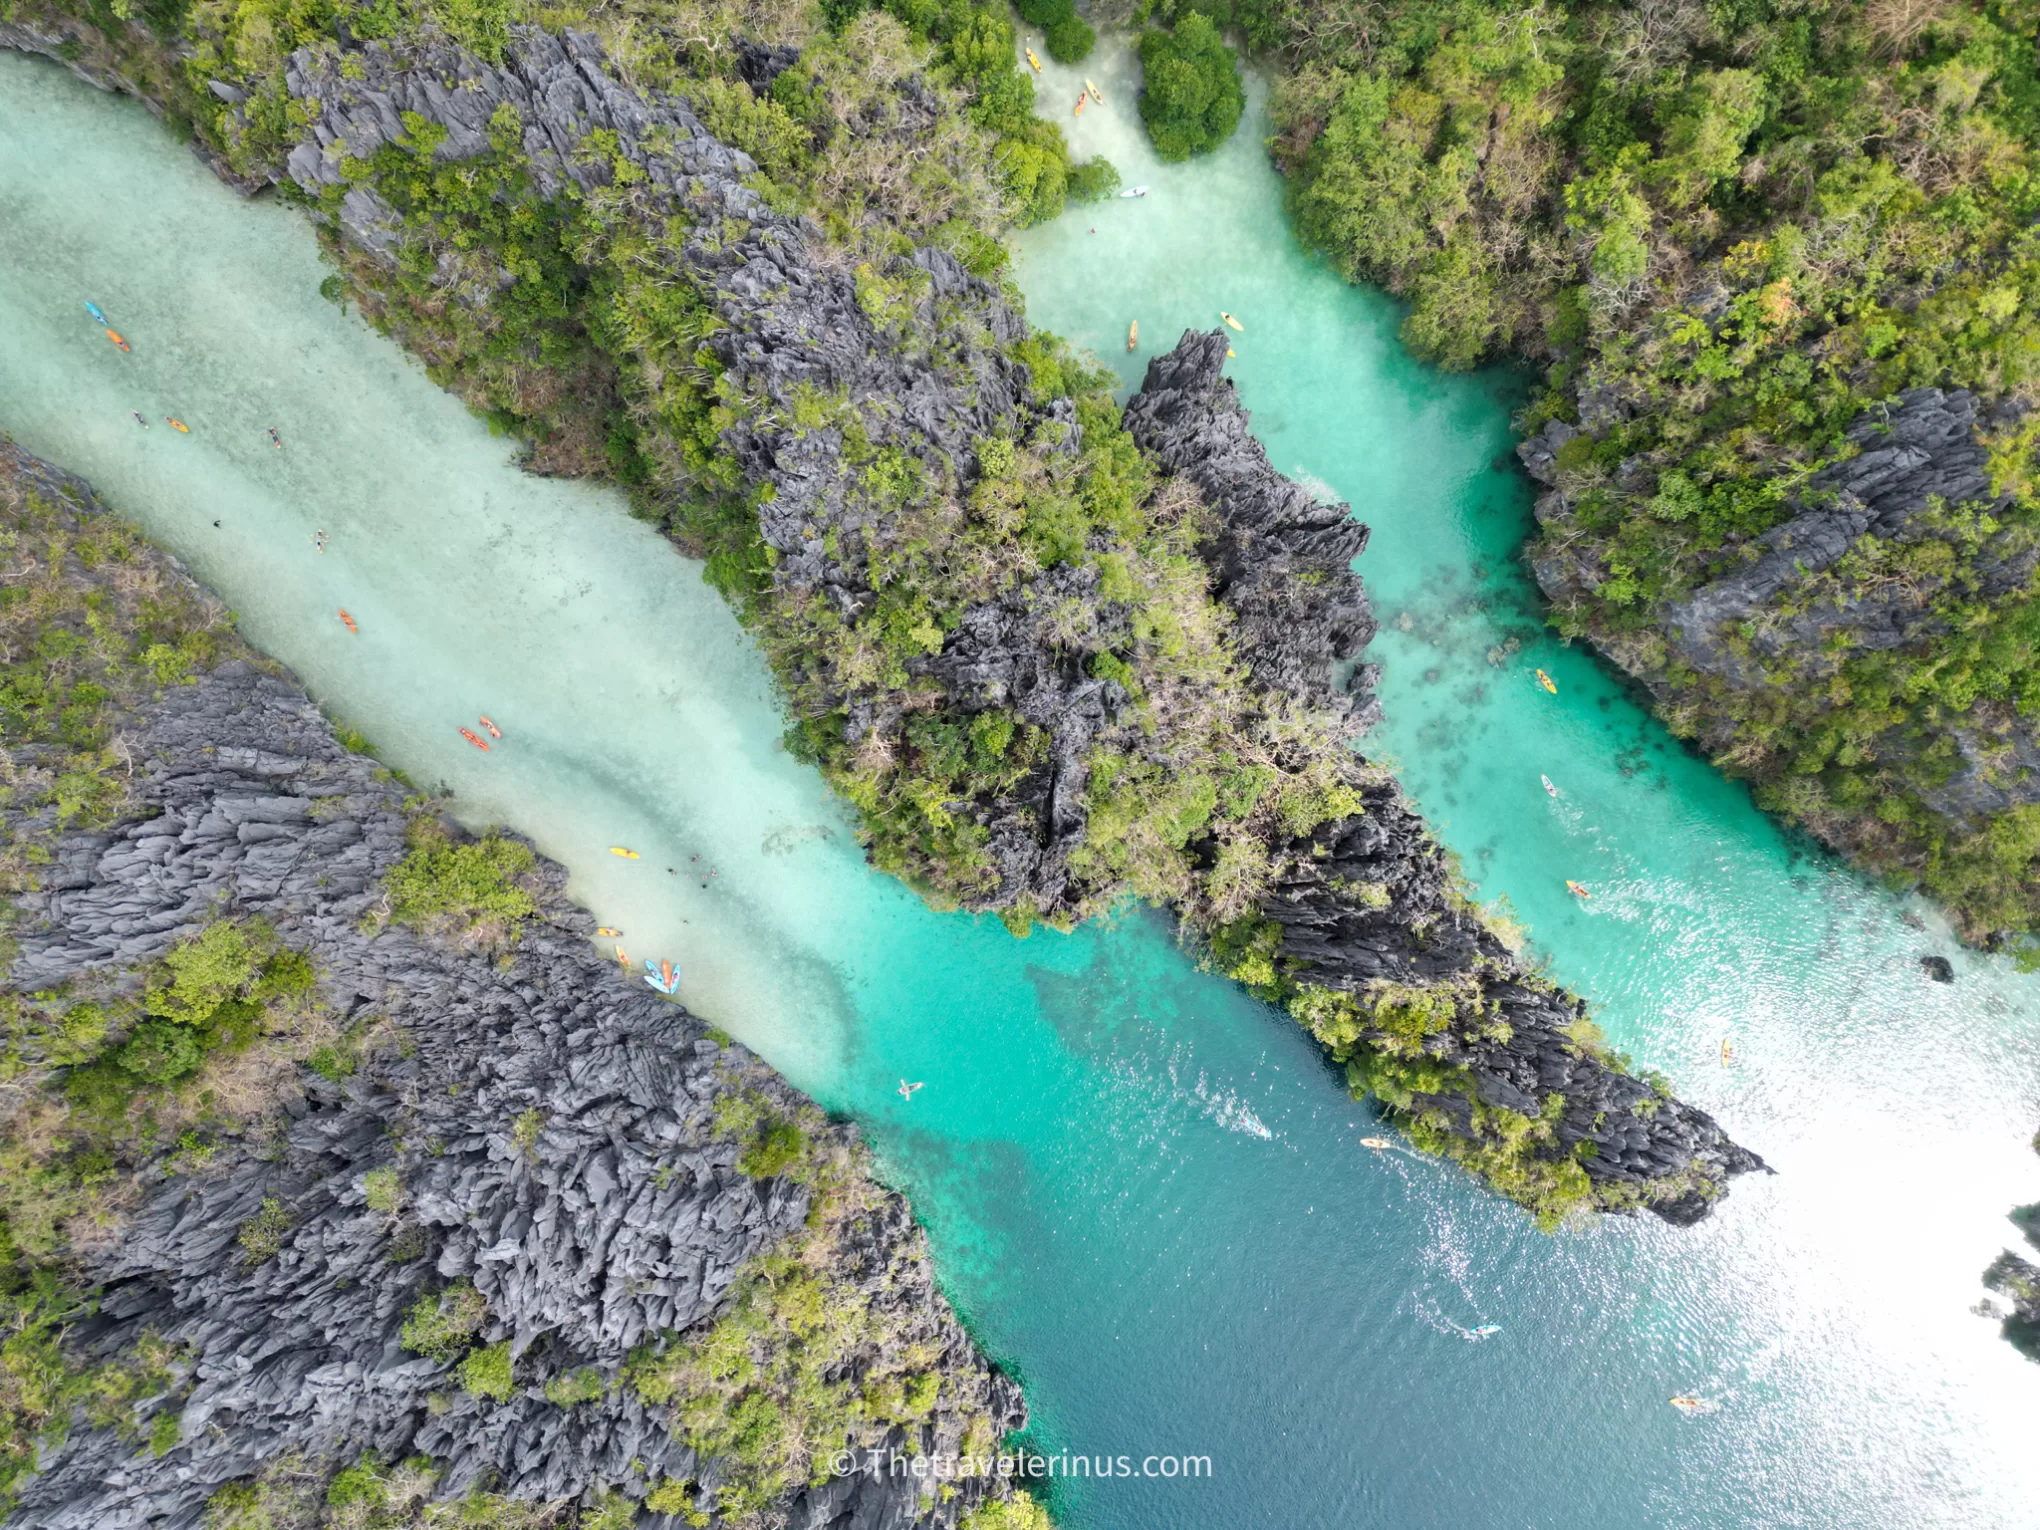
{"x":560,"y":1137}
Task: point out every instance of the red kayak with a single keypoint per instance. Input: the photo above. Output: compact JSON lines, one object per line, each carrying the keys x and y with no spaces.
{"x":475,"y":740}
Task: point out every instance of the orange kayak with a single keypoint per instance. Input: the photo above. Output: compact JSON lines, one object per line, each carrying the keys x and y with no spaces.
{"x":348,"y":622}
{"x":494,"y":731}
{"x":176,"y":424}
{"x":476,"y":740}
{"x":1080,"y":104}
{"x":116,"y":339}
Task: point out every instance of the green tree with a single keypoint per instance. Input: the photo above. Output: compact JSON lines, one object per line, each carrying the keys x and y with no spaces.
{"x":1069,"y":36}
{"x":1191,"y":95}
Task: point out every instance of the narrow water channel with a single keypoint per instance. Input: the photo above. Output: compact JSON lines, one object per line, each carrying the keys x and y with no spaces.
{"x":1163,"y":1278}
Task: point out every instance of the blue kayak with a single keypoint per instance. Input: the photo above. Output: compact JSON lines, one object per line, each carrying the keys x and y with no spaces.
{"x":94,"y":310}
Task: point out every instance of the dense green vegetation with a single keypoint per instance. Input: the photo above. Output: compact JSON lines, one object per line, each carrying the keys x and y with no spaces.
{"x":88,"y":625}
{"x":118,"y":1085}
{"x":468,"y":887}
{"x":1069,"y":36}
{"x":798,"y":1362}
{"x":1387,"y":1037}
{"x":597,"y":349}
{"x":294,"y":1493}
{"x":142,"y":1074}
{"x":1729,"y":229}
{"x":105,"y":1079}
{"x":1191,"y":94}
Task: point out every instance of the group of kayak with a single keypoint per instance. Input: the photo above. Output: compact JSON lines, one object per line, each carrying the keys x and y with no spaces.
{"x":661,"y":975}
{"x":99,"y":317}
{"x":1090,"y":92}
{"x":495,"y":733}
{"x":1570,"y":886}
{"x":120,"y":341}
{"x":1133,"y":329}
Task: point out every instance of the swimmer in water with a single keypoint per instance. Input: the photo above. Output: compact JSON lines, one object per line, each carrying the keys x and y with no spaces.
{"x":138,"y":418}
{"x":274,"y":439}
{"x":319,"y":540}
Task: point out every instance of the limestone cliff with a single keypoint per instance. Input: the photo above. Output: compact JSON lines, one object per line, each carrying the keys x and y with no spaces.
{"x":581,"y":1176}
{"x":1368,"y":899}
{"x":1806,"y":655}
{"x":854,"y":415}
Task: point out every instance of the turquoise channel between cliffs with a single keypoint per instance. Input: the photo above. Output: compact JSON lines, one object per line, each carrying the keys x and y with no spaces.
{"x":1087,"y":1152}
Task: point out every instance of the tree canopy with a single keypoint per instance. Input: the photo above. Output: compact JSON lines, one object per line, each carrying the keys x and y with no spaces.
{"x":1192,"y":95}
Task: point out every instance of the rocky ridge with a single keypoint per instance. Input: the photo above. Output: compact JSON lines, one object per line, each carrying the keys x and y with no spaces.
{"x":1791,"y":591}
{"x":1281,"y":560}
{"x":1369,"y":899}
{"x":787,"y":329}
{"x":562,"y":1137}
{"x":787,"y":322}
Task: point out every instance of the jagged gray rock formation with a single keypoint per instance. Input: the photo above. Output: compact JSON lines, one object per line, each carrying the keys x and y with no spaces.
{"x":1923,"y":449}
{"x":788,"y":327}
{"x":1787,"y":598}
{"x":1368,"y":899}
{"x":553,"y":1125}
{"x":1283,"y":559}
{"x":2018,"y":1281}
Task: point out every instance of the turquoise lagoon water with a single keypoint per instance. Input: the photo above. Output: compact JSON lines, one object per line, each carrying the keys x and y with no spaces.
{"x":1163,"y":1278}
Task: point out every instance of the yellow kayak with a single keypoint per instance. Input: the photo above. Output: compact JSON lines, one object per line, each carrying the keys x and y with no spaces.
{"x":1235,"y":323}
{"x":1034,"y":61}
{"x":1377,"y":1143}
{"x":1133,"y":334}
{"x":1577,"y":891}
{"x":607,"y":933}
{"x":1547,"y":682}
{"x":622,"y":956}
{"x":629,"y":855}
{"x":1094,"y":92}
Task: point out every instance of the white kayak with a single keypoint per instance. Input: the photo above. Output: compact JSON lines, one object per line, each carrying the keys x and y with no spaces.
{"x":1133,"y":191}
